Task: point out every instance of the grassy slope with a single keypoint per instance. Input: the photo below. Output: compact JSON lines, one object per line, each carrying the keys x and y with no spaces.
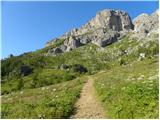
{"x":130,"y":91}
{"x":55,"y":101}
{"x":46,"y":69}
{"x":41,"y":77}
{"x":130,"y":88}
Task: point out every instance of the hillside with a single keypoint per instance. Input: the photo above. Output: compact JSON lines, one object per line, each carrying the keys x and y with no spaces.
{"x":119,"y":55}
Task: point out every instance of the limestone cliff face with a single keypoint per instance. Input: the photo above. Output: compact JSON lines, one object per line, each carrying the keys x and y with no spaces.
{"x":146,"y":24}
{"x":109,"y":19}
{"x":105,"y":28}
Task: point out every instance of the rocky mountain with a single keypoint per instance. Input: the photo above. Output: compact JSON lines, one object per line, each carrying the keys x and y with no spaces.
{"x":145,"y":24}
{"x":47,"y":84}
{"x":105,"y":28}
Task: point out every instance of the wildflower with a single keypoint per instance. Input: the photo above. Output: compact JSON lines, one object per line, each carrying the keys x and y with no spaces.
{"x":54,"y":89}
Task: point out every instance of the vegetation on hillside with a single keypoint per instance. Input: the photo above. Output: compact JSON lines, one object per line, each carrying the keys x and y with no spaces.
{"x":130,"y":80}
{"x":130,"y":91}
{"x":40,"y":78}
{"x":55,"y":101}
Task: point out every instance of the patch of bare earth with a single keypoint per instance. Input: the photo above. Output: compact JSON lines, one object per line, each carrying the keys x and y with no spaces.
{"x":87,"y":107}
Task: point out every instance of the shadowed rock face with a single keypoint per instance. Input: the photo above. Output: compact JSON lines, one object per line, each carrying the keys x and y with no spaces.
{"x":105,"y":28}
{"x":25,"y":70}
{"x":56,"y":50}
{"x":72,"y":43}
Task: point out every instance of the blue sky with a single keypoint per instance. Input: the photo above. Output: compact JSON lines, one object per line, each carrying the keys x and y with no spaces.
{"x":27,"y":26}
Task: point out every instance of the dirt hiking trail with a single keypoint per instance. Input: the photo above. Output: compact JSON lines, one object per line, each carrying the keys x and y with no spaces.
{"x":87,"y":106}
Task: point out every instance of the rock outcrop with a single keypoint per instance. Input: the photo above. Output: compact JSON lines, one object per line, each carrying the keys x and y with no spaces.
{"x":105,"y":28}
{"x":104,"y":20}
{"x":146,"y":24}
{"x":25,"y":70}
{"x":72,"y":43}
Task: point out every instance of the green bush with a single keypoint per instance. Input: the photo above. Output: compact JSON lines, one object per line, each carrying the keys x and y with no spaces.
{"x":79,"y":68}
{"x":122,"y":61}
{"x":9,"y":65}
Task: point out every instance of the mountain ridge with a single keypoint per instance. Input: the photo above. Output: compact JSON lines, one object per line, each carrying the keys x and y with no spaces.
{"x":106,"y":27}
{"x":47,"y":84}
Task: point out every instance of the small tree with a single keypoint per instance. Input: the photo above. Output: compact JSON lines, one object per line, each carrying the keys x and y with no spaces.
{"x":10,"y":56}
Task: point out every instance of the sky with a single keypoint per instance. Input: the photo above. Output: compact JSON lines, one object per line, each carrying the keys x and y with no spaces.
{"x":27,"y":26}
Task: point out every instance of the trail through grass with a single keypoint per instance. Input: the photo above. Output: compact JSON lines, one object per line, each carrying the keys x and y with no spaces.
{"x":87,"y":106}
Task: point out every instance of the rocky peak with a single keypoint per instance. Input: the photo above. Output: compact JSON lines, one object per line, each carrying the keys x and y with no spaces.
{"x":115,"y":20}
{"x":103,"y":29}
{"x":145,"y":24}
{"x":156,"y":13}
{"x":112,"y":19}
{"x":107,"y":27}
